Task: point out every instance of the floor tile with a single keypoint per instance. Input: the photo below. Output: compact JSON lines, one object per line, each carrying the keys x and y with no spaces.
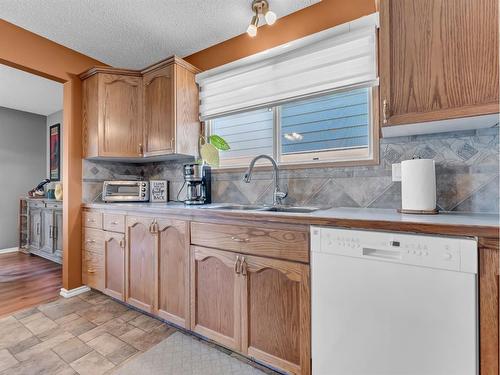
{"x":77,"y":326}
{"x":38,"y":323}
{"x":47,"y":363}
{"x":92,"y":364}
{"x":93,"y":297}
{"x":6,"y":360}
{"x":25,"y":313}
{"x":106,"y":344}
{"x":122,"y":354}
{"x":116,"y":327}
{"x":12,"y":332}
{"x":44,"y":346}
{"x":24,"y":344}
{"x":71,"y":350}
{"x":72,"y":306}
{"x":103,"y":312}
{"x":129,"y":315}
{"x":144,"y":340}
{"x":145,"y":323}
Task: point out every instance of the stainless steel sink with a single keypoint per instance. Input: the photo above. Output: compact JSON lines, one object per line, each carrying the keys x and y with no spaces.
{"x":248,"y":207}
{"x":235,"y":207}
{"x":292,"y":209}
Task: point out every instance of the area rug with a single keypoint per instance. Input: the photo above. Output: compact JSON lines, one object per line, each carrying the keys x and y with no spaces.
{"x":181,"y":354}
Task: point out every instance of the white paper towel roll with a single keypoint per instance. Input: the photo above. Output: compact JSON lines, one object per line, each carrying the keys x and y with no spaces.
{"x":418,"y":185}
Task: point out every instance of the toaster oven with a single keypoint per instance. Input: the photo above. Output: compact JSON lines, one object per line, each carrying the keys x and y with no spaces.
{"x":125,"y":191}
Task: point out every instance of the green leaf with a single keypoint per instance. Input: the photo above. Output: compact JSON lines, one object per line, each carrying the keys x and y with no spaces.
{"x":219,"y":142}
{"x":210,"y":154}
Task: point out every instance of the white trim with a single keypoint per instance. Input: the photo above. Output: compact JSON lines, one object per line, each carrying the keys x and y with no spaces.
{"x":9,"y":250}
{"x":74,"y":292}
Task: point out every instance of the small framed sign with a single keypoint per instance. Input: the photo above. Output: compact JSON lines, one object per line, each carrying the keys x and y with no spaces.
{"x":158,"y":191}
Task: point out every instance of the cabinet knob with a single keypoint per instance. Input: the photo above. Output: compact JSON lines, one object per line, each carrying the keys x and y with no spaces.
{"x":243,"y":267}
{"x":141,"y":149}
{"x":237,"y":239}
{"x":122,"y":243}
{"x":172,"y":144}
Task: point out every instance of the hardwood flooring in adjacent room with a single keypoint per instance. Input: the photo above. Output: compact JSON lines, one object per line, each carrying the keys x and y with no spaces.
{"x":27,"y":280}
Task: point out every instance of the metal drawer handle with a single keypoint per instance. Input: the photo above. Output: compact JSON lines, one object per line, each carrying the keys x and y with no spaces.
{"x":114,"y":222}
{"x":237,"y":265}
{"x":243,"y":267}
{"x":90,"y":271}
{"x":237,"y":239}
{"x":91,"y":220}
{"x":90,"y":241}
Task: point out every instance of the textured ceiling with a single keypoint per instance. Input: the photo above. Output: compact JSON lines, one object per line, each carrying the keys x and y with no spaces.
{"x":30,"y":93}
{"x":137,"y":33}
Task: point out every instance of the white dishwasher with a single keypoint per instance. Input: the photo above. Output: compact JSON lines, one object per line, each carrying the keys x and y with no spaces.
{"x":393,"y":304}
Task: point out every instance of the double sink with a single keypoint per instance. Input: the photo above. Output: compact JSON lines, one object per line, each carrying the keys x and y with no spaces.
{"x":248,"y":207}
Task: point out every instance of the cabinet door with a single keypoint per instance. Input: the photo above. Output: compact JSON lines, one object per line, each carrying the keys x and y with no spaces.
{"x":215,"y":296}
{"x":57,"y":232}
{"x":173,"y":271}
{"x":438,"y":59}
{"x":140,"y":263}
{"x":120,"y":130}
{"x":159,"y":123}
{"x":35,"y":216}
{"x":47,"y":240}
{"x":276,"y":313}
{"x":114,"y":265}
{"x":489,"y":306}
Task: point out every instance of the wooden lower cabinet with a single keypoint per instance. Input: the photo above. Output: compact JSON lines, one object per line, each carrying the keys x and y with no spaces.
{"x":93,"y":270}
{"x":489,"y":303}
{"x":172,"y":286}
{"x":140,"y":263}
{"x":114,"y":265}
{"x":276,"y":315}
{"x":216,"y":289}
{"x":254,"y":305}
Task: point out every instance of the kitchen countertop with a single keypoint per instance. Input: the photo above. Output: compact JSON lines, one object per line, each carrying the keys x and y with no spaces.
{"x":447,"y":223}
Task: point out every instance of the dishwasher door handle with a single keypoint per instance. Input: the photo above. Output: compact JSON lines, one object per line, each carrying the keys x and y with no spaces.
{"x":382,"y":254}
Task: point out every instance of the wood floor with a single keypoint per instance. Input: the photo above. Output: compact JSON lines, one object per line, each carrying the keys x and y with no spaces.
{"x":27,"y":280}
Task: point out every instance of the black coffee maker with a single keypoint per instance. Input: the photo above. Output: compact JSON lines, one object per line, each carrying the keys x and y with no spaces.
{"x":197,"y":178}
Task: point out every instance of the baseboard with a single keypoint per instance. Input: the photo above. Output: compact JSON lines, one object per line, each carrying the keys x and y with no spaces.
{"x":9,"y":250}
{"x":74,"y":292}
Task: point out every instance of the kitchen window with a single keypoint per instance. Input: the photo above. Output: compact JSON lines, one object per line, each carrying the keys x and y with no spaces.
{"x":332,"y":127}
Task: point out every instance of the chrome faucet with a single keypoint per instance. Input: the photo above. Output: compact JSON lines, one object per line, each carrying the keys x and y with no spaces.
{"x":278,"y":195}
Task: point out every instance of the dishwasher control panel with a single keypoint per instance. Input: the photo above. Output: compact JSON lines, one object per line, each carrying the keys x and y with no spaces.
{"x":450,"y":253}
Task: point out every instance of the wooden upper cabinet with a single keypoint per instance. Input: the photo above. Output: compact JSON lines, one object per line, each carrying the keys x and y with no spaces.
{"x":114,"y":265}
{"x":173,"y":271}
{"x":438,"y":60}
{"x":215,"y":296}
{"x":112,"y":115}
{"x":276,"y":313}
{"x":135,"y":114}
{"x":140,"y":263}
{"x":159,"y":121}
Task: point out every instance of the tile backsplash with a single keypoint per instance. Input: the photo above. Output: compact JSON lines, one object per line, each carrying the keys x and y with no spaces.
{"x":467,"y":172}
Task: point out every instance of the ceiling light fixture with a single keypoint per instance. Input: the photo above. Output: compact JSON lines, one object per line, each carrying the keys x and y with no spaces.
{"x":260,"y":8}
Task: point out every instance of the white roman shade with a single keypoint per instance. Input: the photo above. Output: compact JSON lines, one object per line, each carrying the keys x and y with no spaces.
{"x":340,"y":57}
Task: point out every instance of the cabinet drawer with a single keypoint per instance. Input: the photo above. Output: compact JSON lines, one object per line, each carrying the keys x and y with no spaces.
{"x":92,"y":219}
{"x":33,"y":204}
{"x":93,"y":240}
{"x":114,"y":222}
{"x":267,"y":242}
{"x":54,"y":205}
{"x":93,"y":270}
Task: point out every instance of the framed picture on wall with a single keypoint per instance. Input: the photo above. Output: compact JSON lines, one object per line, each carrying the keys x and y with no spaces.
{"x":55,"y":152}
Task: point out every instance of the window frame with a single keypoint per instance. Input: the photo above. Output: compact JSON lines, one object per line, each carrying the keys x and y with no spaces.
{"x":356,"y":156}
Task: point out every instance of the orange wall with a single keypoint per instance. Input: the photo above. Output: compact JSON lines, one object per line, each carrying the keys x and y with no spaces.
{"x":310,"y":20}
{"x":24,"y":50}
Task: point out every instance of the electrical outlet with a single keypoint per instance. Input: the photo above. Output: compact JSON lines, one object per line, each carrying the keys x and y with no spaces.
{"x":396,"y":172}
